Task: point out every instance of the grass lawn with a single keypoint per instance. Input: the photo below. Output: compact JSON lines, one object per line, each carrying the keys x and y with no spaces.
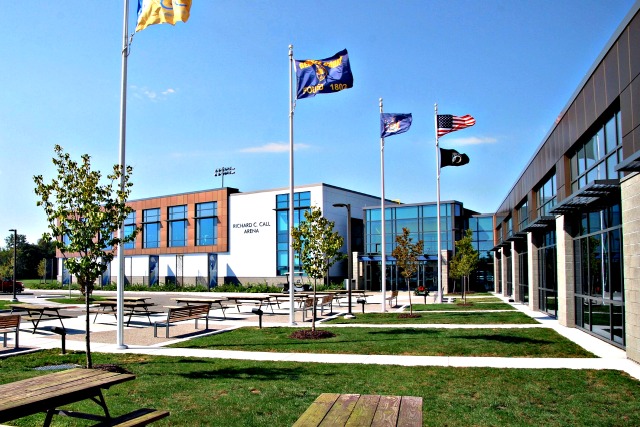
{"x":471,"y":305}
{"x":530,"y":342}
{"x":230,"y":393}
{"x":75,"y":300}
{"x":4,"y":304}
{"x":464,"y":317}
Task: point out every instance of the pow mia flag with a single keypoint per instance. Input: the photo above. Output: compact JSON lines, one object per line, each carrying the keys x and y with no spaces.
{"x":452,"y":158}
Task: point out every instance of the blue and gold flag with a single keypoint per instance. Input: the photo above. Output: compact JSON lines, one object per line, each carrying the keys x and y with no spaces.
{"x":323,"y":75}
{"x":393,"y":124}
{"x":152,"y":12}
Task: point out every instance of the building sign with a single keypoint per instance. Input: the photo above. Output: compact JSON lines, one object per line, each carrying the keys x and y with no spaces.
{"x":251,"y":227}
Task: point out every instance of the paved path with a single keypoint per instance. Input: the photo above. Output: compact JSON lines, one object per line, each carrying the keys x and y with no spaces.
{"x":608,"y":356}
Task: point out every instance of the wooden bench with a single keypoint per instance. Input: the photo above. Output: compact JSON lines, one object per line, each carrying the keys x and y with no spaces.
{"x":332,"y":409}
{"x":10,"y":324}
{"x":141,"y":417}
{"x":394,"y":295}
{"x":178,"y":314}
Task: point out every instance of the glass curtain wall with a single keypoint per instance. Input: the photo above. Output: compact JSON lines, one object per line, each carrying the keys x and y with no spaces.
{"x":599,"y":284}
{"x":523,"y":276}
{"x":301,"y":204}
{"x":482,"y":228}
{"x":547,"y":274}
{"x":151,"y":228}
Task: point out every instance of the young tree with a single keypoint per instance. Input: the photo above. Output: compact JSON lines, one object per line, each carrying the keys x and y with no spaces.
{"x":83,"y":217}
{"x":406,"y":254}
{"x":318,"y":247}
{"x":465,"y":261}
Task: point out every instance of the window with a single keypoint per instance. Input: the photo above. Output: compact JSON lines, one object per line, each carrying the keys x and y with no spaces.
{"x":301,"y":203}
{"x":207,"y":223}
{"x":523,"y":216}
{"x":151,"y":228}
{"x":129,"y":227}
{"x":547,"y":275}
{"x":547,"y":196}
{"x":177,"y":226}
{"x":598,"y":156}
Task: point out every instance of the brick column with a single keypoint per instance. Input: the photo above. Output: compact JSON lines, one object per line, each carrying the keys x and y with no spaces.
{"x":515,"y":265}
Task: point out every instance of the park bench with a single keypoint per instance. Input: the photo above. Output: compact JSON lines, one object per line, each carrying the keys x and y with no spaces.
{"x":178,"y":314}
{"x":9,"y":324}
{"x":394,"y":295}
{"x":326,"y":301}
{"x":332,"y":409}
{"x":305,"y":305}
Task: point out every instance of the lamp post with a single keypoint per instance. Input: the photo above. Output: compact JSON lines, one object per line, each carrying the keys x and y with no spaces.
{"x":349,"y":315}
{"x":225,"y":171}
{"x":15,"y":259}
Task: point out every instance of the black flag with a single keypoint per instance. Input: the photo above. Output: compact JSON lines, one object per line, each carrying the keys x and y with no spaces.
{"x":452,"y":158}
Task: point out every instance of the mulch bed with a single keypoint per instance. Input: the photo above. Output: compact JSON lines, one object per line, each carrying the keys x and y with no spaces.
{"x":308,"y":334}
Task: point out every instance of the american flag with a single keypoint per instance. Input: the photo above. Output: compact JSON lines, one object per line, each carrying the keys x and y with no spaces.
{"x":448,"y":123}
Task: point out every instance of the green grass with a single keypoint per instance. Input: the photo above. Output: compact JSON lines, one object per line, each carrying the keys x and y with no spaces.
{"x":76,"y":300}
{"x":4,"y":304}
{"x":529,"y":342}
{"x":231,"y":393}
{"x":475,"y":318}
{"x":471,"y":305}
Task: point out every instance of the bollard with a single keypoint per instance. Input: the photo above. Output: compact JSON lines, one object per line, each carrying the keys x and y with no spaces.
{"x":259,"y":312}
{"x":362,"y":301}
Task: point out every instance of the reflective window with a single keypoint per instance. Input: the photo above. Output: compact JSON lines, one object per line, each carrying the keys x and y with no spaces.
{"x":177,"y":226}
{"x":129,"y":227}
{"x":546,"y":196}
{"x":151,"y":228}
{"x":206,"y":223}
{"x":301,"y":203}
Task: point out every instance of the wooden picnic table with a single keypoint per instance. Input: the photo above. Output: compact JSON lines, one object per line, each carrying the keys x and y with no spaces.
{"x":48,"y":392}
{"x":130,"y":309}
{"x":258,"y":299}
{"x":38,"y":312}
{"x":332,"y":409}
{"x":209,"y":300}
{"x":126,"y":299}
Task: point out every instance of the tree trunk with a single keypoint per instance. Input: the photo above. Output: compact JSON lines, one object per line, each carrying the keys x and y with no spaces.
{"x":313,"y":315}
{"x":87,"y":335}
{"x":410,"y":305}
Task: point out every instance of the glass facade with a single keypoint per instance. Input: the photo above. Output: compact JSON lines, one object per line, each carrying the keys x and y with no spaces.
{"x":599,"y":285}
{"x":206,"y":223}
{"x":129,"y":227}
{"x":598,"y":156}
{"x":482,"y":228}
{"x":523,"y":277}
{"x":546,"y":196}
{"x":151,"y":228}
{"x":301,"y":204}
{"x":547,"y":274}
{"x":177,"y":226}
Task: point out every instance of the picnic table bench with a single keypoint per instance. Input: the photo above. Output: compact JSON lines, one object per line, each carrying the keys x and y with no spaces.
{"x":332,"y":409}
{"x":252,"y":299}
{"x":39,"y":312}
{"x":180,"y":313}
{"x":8,"y":324}
{"x":131,"y":308}
{"x":47,"y":393}
{"x":214,"y":303}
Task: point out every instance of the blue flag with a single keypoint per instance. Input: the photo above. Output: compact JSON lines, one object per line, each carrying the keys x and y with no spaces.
{"x":323,"y":75}
{"x":393,"y":124}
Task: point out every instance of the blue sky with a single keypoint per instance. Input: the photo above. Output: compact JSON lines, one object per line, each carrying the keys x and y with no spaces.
{"x":214,"y":92}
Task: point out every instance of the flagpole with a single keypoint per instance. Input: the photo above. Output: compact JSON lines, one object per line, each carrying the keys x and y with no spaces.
{"x":383,"y":262}
{"x":438,"y":206}
{"x":292,"y":319}
{"x":123,"y":131}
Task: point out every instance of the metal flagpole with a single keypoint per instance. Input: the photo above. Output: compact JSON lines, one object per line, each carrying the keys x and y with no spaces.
{"x":123,"y":131}
{"x":383,"y":262}
{"x":438,"y":207}
{"x":292,"y":319}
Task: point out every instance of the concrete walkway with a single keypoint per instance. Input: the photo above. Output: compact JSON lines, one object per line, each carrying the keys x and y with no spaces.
{"x":608,"y":356}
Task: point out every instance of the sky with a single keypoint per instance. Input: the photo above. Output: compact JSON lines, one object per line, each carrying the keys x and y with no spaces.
{"x":214,"y":92}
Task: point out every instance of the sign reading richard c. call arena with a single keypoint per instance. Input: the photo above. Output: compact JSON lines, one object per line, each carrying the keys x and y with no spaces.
{"x":252,"y":227}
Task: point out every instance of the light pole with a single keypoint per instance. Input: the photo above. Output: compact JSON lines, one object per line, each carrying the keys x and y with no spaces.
{"x":225,"y":171}
{"x":349,"y":255}
{"x":15,"y":259}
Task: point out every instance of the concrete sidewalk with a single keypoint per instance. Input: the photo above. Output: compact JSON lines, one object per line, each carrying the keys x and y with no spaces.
{"x":139,"y":340}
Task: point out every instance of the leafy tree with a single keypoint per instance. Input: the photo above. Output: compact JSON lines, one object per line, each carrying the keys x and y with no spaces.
{"x":318,"y":247}
{"x":83,"y":216}
{"x":464,"y":262}
{"x":406,"y":254}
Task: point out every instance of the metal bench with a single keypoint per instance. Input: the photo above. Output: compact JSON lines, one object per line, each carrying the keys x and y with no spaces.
{"x":394,"y":295}
{"x":178,"y":314}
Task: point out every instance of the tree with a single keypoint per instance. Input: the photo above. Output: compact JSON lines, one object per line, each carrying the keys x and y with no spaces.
{"x":318,"y":247}
{"x":406,"y":255}
{"x":465,"y":261}
{"x":83,"y":217}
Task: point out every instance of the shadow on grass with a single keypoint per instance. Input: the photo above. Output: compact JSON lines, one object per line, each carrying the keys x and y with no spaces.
{"x":398,"y":331}
{"x":506,"y":339}
{"x":253,"y":373}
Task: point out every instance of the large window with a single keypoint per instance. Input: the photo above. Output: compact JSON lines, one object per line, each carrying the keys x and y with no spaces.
{"x":129,"y":228}
{"x":206,"y":223}
{"x":598,"y":156}
{"x":177,"y":226}
{"x":599,"y":285}
{"x":547,"y":275}
{"x":301,"y":203}
{"x":523,"y":216}
{"x":546,"y":196}
{"x":151,"y":228}
{"x":523,"y":276}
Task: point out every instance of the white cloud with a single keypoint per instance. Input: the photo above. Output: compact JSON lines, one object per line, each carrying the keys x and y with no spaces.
{"x":152,"y":95}
{"x":474,"y":140}
{"x":274,"y":147}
